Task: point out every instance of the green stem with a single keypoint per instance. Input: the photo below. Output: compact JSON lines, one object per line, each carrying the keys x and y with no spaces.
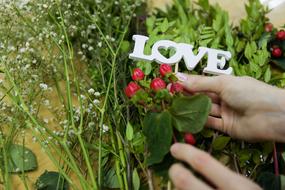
{"x":123,"y":160}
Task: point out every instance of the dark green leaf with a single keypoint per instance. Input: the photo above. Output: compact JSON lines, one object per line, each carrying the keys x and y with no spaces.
{"x":21,"y":159}
{"x":268,"y":181}
{"x":279,"y":62}
{"x":189,"y":114}
{"x":50,"y":180}
{"x":111,"y":179}
{"x":158,"y":132}
{"x":220,"y":142}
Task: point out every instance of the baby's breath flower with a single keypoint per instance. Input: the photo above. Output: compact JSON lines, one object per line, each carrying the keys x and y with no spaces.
{"x":97,"y":94}
{"x":96,"y":101}
{"x":91,"y":91}
{"x":43,"y":86}
{"x":105,"y":128}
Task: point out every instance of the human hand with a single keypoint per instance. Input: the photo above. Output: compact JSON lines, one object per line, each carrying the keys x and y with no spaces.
{"x":242,"y":107}
{"x":219,"y":175}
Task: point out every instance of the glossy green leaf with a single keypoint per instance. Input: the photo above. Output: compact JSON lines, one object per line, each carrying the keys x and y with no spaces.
{"x":51,"y":180}
{"x":158,"y":132}
{"x":129,"y":132}
{"x":136,"y":180}
{"x":189,"y":114}
{"x":21,"y":159}
{"x":220,"y":142}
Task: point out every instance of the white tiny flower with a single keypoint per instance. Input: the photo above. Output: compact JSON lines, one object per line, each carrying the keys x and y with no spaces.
{"x":46,"y":120}
{"x":90,"y":48}
{"x":96,"y":101}
{"x":82,"y":97}
{"x":105,"y":128}
{"x":97,"y":94}
{"x":100,"y":44}
{"x":91,"y":91}
{"x":43,"y":86}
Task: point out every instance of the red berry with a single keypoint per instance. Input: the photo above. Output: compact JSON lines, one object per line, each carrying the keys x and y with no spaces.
{"x":176,"y":87}
{"x":165,"y":69}
{"x":157,"y":84}
{"x":280,"y":35}
{"x":189,"y":139}
{"x":138,"y":74}
{"x":276,"y":52}
{"x":268,"y":27}
{"x":132,"y":89}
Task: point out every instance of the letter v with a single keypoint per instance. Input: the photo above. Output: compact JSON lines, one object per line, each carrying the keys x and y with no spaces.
{"x":190,"y":59}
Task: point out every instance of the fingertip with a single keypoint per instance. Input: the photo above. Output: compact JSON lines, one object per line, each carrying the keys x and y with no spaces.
{"x":175,"y":148}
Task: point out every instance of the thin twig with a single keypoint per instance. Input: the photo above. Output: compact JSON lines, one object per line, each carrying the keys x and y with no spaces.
{"x":150,"y":182}
{"x":275,"y":159}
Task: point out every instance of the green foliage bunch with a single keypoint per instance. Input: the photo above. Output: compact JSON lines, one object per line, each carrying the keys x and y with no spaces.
{"x":201,"y":24}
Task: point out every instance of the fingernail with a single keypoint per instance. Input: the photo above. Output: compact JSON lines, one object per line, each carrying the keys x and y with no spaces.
{"x":181,"y":76}
{"x":174,"y":148}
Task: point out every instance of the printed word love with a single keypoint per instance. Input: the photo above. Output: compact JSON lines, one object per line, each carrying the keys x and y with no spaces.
{"x":216,"y":58}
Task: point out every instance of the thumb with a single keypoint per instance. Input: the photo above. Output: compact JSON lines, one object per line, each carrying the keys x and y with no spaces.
{"x":196,"y":83}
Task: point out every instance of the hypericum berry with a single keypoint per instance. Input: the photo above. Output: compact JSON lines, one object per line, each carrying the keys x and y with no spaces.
{"x":276,"y":52}
{"x":157,"y":84}
{"x":189,"y":139}
{"x":132,"y":89}
{"x":280,"y":35}
{"x":138,"y":74}
{"x":165,"y":69}
{"x":268,"y":27}
{"x":176,"y":87}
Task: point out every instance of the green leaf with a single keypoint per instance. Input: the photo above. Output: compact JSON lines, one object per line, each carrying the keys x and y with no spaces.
{"x":248,"y":51}
{"x":280,"y":62}
{"x":145,"y":66}
{"x":150,"y":23}
{"x":50,"y":180}
{"x":21,"y":159}
{"x":129,"y":132}
{"x":164,"y":25}
{"x":268,"y":181}
{"x":136,"y":180}
{"x":267,"y":74}
{"x":158,"y":132}
{"x":125,"y":46}
{"x":138,"y":142}
{"x":189,"y":114}
{"x":220,"y":142}
{"x":207,"y":133}
{"x":282,"y":179}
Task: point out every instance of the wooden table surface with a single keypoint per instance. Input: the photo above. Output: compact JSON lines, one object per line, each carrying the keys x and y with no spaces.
{"x":236,"y":11}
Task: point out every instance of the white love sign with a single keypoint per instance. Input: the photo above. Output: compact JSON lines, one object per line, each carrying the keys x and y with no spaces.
{"x":216,"y":58}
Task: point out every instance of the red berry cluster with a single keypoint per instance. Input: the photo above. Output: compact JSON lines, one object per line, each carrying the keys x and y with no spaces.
{"x":156,"y":84}
{"x":276,"y":50}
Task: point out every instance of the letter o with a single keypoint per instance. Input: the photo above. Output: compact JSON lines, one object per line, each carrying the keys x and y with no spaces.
{"x":166,"y":44}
